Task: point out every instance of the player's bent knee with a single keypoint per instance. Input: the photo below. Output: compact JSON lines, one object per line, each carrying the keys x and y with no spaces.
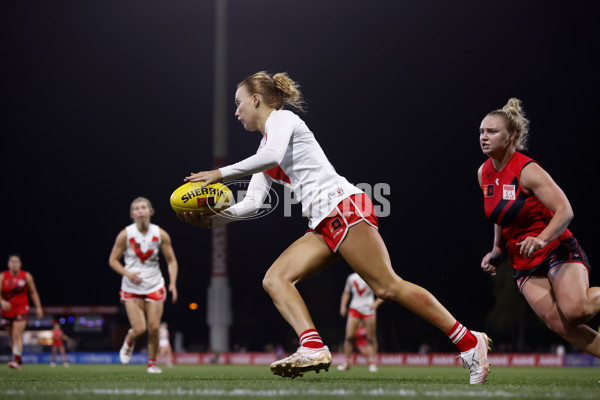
{"x":138,"y":331}
{"x":271,"y":283}
{"x":387,"y":293}
{"x":267,"y":283}
{"x":274,"y":281}
{"x":578,"y":314}
{"x":554,"y":323}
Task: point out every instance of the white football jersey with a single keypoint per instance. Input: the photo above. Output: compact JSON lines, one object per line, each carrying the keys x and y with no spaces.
{"x":142,"y":256}
{"x":362,"y":295}
{"x":290,"y":155}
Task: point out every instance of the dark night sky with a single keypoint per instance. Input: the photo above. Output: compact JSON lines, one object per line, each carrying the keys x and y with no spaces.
{"x":106,"y":101}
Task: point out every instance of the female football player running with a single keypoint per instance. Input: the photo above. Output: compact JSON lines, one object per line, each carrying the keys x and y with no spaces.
{"x":531,"y":213}
{"x":143,"y":286}
{"x":16,"y":286}
{"x":341,"y":219}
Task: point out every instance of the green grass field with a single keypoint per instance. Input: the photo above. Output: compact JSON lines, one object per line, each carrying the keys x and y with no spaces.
{"x":241,"y":382}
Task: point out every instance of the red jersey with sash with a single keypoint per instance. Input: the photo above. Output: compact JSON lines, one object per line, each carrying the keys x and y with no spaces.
{"x":14,"y":290}
{"x":520,"y":215}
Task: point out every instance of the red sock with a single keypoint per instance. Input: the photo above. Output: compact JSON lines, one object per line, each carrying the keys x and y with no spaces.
{"x":18,"y":359}
{"x":462,"y":337}
{"x":151,"y":362}
{"x":310,"y":338}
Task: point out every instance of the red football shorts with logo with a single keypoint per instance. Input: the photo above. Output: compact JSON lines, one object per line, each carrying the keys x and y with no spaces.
{"x":159,"y":295}
{"x":16,"y":313}
{"x":347,"y":213}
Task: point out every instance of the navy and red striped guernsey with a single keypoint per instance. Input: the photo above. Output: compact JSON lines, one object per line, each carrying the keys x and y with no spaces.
{"x":520,"y":215}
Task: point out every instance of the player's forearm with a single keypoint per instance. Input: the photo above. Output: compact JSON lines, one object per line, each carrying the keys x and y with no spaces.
{"x":118,"y":268}
{"x":173,"y":269}
{"x":499,"y":241}
{"x":344,"y":302}
{"x":35,"y":298}
{"x":558,"y":224}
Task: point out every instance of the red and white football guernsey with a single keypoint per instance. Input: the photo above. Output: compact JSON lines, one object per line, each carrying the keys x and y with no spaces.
{"x":142,"y":256}
{"x":290,"y":155}
{"x":14,"y":290}
{"x":519,"y":215}
{"x":362,"y":295}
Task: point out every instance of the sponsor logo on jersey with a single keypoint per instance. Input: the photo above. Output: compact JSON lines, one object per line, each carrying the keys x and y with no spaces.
{"x":488,"y":190}
{"x":336,"y":193}
{"x":508,"y":192}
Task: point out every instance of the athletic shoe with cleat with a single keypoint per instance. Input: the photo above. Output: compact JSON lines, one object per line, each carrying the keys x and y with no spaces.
{"x":15,"y":365}
{"x":154,"y":370}
{"x":372,"y":368}
{"x":125,"y":352}
{"x":305,"y":359}
{"x":343,"y":367}
{"x":476,"y":359}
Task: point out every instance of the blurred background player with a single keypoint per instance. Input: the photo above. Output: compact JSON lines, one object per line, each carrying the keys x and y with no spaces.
{"x":360,"y":340}
{"x":164,"y":345}
{"x":16,"y":285}
{"x":143,"y":286}
{"x":58,"y":344}
{"x":531,"y":214}
{"x":362,"y":309}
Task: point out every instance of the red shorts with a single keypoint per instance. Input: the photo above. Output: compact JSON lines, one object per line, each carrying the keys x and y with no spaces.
{"x":568,"y":251}
{"x":58,"y":343}
{"x":347,"y":213}
{"x":353,"y":313}
{"x":16,"y":313}
{"x":159,"y":295}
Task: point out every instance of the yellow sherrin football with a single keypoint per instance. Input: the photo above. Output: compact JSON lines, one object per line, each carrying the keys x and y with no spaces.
{"x":192,"y":197}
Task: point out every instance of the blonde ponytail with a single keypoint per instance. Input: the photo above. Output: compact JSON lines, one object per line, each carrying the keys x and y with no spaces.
{"x":277,"y":91}
{"x":514,"y":118}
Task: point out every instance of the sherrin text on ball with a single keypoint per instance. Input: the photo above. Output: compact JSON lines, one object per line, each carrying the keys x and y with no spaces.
{"x":192,"y":197}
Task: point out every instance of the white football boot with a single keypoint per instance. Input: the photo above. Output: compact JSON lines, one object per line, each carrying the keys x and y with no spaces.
{"x":343,"y":367}
{"x":476,"y":359}
{"x":125,"y":352}
{"x":154,"y":370}
{"x":305,"y":359}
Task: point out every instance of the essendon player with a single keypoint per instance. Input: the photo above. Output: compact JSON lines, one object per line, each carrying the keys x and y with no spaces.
{"x":143,"y":286}
{"x":16,"y":285}
{"x":341,"y":219}
{"x":531,"y":213}
{"x":58,"y":344}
